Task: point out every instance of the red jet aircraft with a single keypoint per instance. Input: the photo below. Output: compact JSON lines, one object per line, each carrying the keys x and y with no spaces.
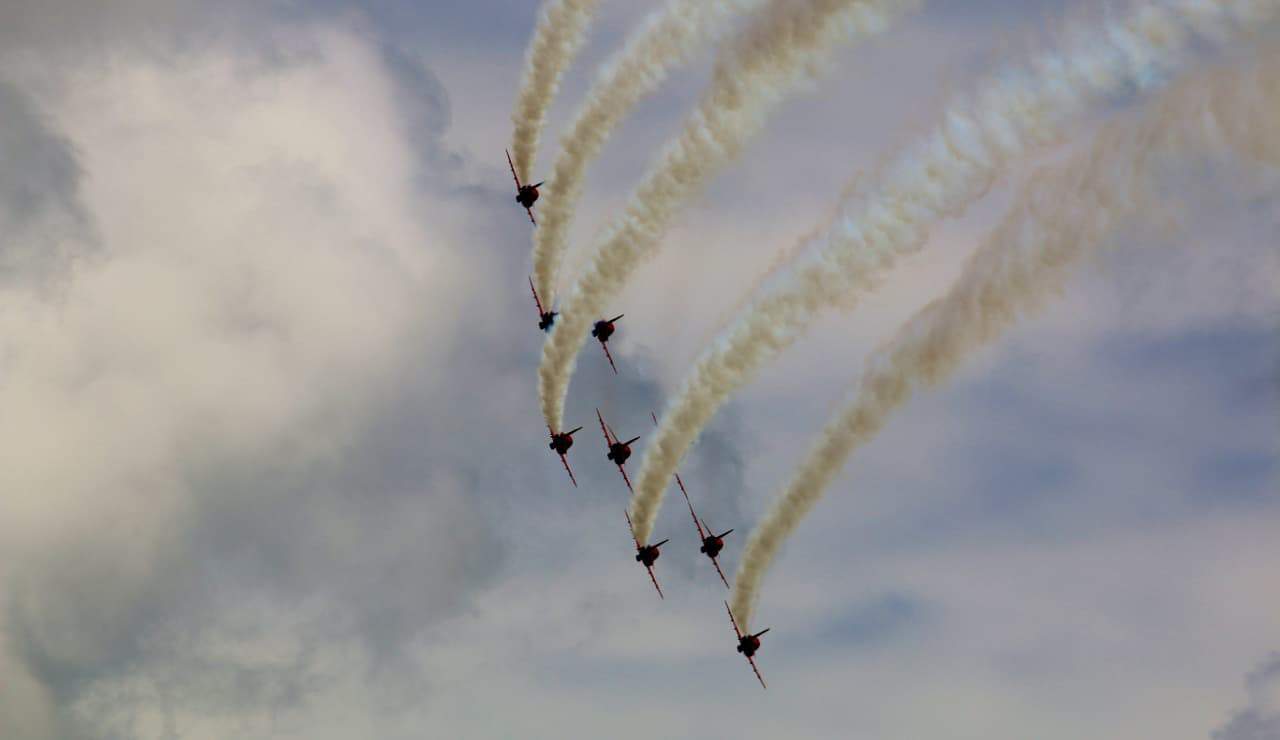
{"x":747,"y":644}
{"x":602,"y":330}
{"x":619,"y":452}
{"x":545,"y":318}
{"x":712,"y":544}
{"x":526,"y":195}
{"x":560,"y":444}
{"x":647,"y":554}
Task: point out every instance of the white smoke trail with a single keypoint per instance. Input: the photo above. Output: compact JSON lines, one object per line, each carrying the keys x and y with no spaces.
{"x":781,"y":46}
{"x":667,"y":40}
{"x":1064,"y":214}
{"x":562,"y":26}
{"x":941,"y":176}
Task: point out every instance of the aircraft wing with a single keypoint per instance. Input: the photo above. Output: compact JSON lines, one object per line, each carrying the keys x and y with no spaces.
{"x":633,"y":533}
{"x":605,"y":347}
{"x":649,"y":568}
{"x":532,"y":220}
{"x":536,"y":300}
{"x":752,"y":661}
{"x":513,"y":170}
{"x":625,"y":478}
{"x":608,"y":435}
{"x":722,"y":578}
{"x":655,"y":584}
{"x":701,"y":534}
{"x":732,"y":621}
{"x":569,"y":471}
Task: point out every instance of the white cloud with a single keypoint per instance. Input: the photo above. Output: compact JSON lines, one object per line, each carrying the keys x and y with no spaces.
{"x":264,"y":280}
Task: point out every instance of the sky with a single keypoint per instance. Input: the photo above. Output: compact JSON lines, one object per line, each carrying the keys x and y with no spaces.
{"x":272,"y":464}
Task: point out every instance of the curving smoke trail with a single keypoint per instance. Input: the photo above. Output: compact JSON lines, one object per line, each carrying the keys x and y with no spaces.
{"x":668,"y":38}
{"x":939,"y":177}
{"x":781,"y":46}
{"x":561,"y":28}
{"x":1064,"y":214}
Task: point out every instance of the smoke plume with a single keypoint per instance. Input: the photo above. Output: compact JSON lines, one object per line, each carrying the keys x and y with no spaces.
{"x":1065,"y":213}
{"x":941,"y":176}
{"x":557,"y":38}
{"x":666,"y":40}
{"x":779,"y":48}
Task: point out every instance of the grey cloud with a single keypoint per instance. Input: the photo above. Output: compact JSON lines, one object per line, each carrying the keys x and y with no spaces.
{"x":42,"y":223}
{"x":1261,"y":719}
{"x":38,"y":23}
{"x":983,"y":11}
{"x":1062,"y":451}
{"x":64,"y":30}
{"x":426,"y":109}
{"x":868,"y":622}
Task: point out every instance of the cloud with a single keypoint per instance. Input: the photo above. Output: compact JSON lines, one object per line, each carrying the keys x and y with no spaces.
{"x":41,"y":217}
{"x":1260,"y":720}
{"x":217,"y":509}
{"x":45,"y":24}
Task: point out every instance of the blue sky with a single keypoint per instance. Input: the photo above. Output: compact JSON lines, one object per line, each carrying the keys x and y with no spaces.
{"x":273,"y":465}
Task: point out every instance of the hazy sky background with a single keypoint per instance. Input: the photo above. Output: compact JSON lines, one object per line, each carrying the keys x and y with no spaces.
{"x":271,"y":461}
